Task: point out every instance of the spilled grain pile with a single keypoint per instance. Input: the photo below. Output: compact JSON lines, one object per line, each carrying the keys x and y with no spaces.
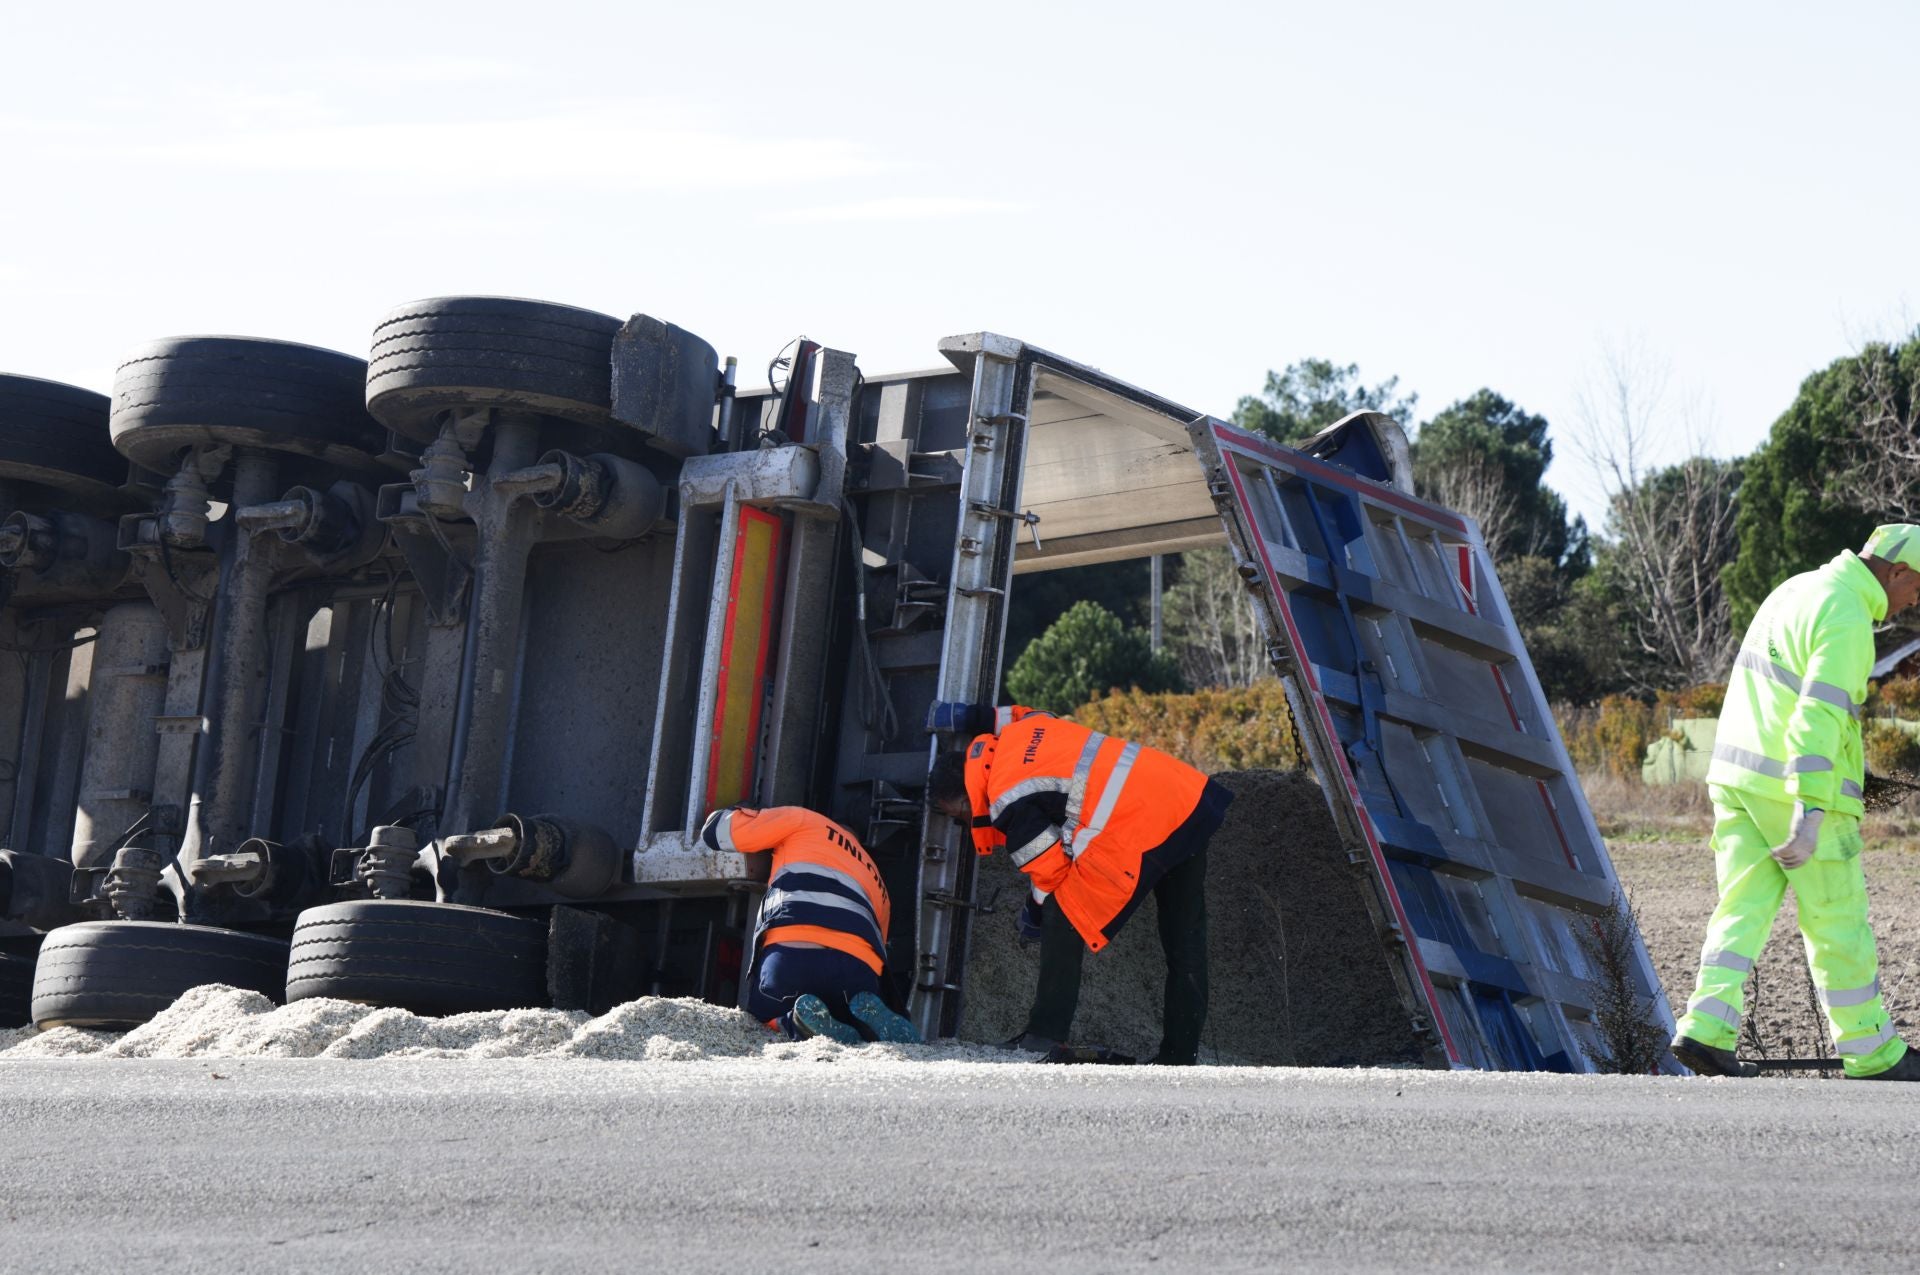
{"x":225,"y":1022}
{"x":1298,"y":976}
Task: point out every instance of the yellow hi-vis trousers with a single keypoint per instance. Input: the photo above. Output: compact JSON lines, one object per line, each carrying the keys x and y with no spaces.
{"x":1831,"y":892}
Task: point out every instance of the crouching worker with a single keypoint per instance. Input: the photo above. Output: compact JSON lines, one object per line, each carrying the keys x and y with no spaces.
{"x":1097,"y":824}
{"x":820,"y":941}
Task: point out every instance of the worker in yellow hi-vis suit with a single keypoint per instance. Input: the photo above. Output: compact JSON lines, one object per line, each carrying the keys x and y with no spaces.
{"x":1786,"y":786}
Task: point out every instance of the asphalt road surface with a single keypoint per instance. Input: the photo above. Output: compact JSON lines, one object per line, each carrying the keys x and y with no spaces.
{"x":499,"y":1166}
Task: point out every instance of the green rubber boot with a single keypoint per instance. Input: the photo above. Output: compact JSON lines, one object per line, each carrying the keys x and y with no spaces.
{"x":811,"y":1017}
{"x":882,"y":1022}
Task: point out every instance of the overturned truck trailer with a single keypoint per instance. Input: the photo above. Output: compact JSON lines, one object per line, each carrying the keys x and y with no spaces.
{"x":430,"y":714}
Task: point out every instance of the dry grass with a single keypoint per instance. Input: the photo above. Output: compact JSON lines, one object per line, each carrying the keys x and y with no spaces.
{"x":1628,"y":810}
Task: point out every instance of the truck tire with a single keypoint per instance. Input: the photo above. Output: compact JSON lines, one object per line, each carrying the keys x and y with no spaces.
{"x":122,"y":973}
{"x":16,"y":990}
{"x":56,"y":436}
{"x":431,"y":958}
{"x":186,"y":390}
{"x":505,"y":352}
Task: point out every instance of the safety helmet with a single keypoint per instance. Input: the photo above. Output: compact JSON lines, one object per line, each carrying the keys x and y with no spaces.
{"x":1895,"y":542}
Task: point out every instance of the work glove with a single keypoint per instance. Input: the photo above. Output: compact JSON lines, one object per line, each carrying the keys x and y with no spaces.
{"x":1801,"y":838}
{"x":1032,"y":914}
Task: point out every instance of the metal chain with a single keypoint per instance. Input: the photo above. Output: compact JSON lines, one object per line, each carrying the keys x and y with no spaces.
{"x":1300,"y":761}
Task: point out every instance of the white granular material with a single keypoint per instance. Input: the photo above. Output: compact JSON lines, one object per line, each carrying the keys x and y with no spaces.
{"x":61,"y":1042}
{"x":225,"y":1022}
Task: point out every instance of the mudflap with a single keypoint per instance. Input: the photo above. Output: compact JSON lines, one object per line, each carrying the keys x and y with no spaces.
{"x":593,"y":961}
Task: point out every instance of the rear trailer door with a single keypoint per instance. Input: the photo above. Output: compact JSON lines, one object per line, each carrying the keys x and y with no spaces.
{"x":1446,"y":773}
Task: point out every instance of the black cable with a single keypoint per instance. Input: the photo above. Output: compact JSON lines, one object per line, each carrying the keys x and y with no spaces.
{"x":166,"y":563}
{"x":383,"y":602}
{"x":51,"y":649}
{"x":399,"y":701}
{"x":422,"y":813}
{"x":778,"y":391}
{"x":780,"y":360}
{"x":383,"y":745}
{"x":133,"y":830}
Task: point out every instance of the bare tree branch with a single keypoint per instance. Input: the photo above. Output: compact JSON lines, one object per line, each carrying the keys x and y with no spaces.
{"x":1881,"y":471}
{"x":1671,"y":524}
{"x":1211,"y":624}
{"x":1472,"y":484}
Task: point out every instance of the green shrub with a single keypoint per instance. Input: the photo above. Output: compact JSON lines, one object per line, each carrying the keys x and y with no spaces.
{"x":1086,"y":653}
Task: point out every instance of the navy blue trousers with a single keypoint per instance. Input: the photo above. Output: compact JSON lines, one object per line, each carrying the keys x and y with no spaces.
{"x":785,"y":973}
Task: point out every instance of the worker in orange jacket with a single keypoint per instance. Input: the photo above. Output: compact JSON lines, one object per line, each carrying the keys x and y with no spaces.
{"x":1097,"y":824}
{"x":820,"y":940}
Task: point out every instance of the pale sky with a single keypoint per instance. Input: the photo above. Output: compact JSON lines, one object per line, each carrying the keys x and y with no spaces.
{"x":1182,"y":194}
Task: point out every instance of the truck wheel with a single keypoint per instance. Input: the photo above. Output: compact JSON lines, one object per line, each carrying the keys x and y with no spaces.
{"x":122,"y":973}
{"x":56,"y":436}
{"x":16,"y":990}
{"x":431,"y":958}
{"x":530,"y":356}
{"x":186,"y":390}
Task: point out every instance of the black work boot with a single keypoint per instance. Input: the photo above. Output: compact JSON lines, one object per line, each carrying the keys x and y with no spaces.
{"x":1705,"y":1060}
{"x":1908,"y":1068}
{"x":1032,"y":1043}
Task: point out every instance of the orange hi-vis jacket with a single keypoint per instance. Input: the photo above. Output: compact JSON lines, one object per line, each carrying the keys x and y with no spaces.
{"x":1079,"y":809}
{"x":823,"y":889}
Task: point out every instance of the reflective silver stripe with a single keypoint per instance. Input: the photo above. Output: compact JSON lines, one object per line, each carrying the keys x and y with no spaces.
{"x":819,"y":898}
{"x":1714,"y":1007}
{"x":814,"y":869}
{"x":1807,"y":763}
{"x":1759,"y":763}
{"x":1025,"y":788}
{"x":1109,"y":798}
{"x":1850,"y":789}
{"x":723,"y":831}
{"x":1866,"y":1044}
{"x":1082,"y":771}
{"x":1034,"y":849}
{"x":1002,"y":718}
{"x":1754,"y":662}
{"x":1849,"y":997}
{"x":1828,"y":693}
{"x":1728,"y":959}
{"x":1811,"y":688}
{"x":775,"y":899}
{"x":1825,"y":692}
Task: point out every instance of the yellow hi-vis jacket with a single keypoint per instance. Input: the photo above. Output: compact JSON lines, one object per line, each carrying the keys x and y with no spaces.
{"x":1790,"y":730}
